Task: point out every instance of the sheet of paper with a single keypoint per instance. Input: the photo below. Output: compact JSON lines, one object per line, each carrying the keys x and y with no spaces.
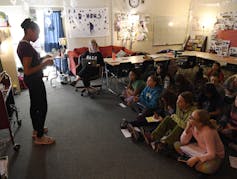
{"x":122,"y":105}
{"x":126,"y":133}
{"x":152,"y":119}
{"x":137,"y":129}
{"x":233,"y":161}
{"x":3,"y":165}
{"x":192,"y":150}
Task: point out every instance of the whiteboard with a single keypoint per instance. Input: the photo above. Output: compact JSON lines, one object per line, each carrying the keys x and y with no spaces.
{"x":169,"y":30}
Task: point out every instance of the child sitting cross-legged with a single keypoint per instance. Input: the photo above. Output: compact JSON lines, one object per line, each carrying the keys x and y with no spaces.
{"x":171,"y":127}
{"x":207,"y":154}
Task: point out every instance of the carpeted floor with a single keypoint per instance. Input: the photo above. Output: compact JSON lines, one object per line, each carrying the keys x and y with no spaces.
{"x":89,"y":143}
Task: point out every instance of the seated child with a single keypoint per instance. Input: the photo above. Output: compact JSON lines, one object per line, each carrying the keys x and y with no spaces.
{"x":208,"y":152}
{"x":166,"y":107}
{"x":171,"y":127}
{"x":134,"y":87}
{"x":216,"y":68}
{"x":211,"y":101}
{"x":230,"y":127}
{"x":147,"y":102}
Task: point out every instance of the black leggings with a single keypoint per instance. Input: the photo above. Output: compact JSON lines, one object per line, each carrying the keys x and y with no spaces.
{"x":38,"y":104}
{"x":86,"y":73}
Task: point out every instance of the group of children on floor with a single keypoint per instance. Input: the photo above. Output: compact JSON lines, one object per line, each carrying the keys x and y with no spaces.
{"x":189,"y":115}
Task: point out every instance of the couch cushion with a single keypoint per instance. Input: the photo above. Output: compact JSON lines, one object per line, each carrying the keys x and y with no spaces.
{"x":106,"y":51}
{"x":80,"y":51}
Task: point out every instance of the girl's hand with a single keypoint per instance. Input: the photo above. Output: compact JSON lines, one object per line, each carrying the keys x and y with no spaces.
{"x":192,"y":161}
{"x":156,"y":116}
{"x":188,"y":127}
{"x":136,"y":98}
{"x":48,"y":61}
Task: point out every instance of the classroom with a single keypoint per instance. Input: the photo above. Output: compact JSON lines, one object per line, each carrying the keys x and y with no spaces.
{"x":146,"y":88}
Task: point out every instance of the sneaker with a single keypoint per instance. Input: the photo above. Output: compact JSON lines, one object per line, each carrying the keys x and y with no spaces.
{"x":122,"y":98}
{"x":135,"y":134}
{"x":44,"y":140}
{"x":124,"y":124}
{"x":159,"y":146}
{"x":146,"y":136}
{"x":34,"y":133}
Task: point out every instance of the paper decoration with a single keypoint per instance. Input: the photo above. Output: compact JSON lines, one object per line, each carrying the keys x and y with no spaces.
{"x":90,"y":22}
{"x":221,"y":47}
{"x":233,"y":51}
{"x":131,"y":26}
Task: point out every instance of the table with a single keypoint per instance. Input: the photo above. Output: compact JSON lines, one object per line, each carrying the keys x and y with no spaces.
{"x":134,"y":60}
{"x":211,"y":56}
{"x":164,"y":57}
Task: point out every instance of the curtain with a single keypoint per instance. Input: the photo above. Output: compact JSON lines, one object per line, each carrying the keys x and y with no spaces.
{"x":53,"y":30}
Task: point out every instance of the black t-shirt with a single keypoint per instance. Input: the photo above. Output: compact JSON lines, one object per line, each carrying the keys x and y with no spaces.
{"x":94,"y":56}
{"x":25,"y":49}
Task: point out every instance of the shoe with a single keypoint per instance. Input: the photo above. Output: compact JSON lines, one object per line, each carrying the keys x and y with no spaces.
{"x":122,"y":98}
{"x":134,"y":133}
{"x":44,"y":140}
{"x":124,"y":124}
{"x":34,"y":133}
{"x":159,"y":146}
{"x":73,"y":83}
{"x":146,"y":136}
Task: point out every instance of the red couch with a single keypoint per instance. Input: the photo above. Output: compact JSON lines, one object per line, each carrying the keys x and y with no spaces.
{"x":106,"y":52}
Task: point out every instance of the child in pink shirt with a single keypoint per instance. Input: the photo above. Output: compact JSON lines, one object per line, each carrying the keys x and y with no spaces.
{"x":207,"y":154}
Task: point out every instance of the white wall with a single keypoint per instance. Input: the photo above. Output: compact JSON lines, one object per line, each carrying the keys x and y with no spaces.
{"x":153,"y":8}
{"x":207,"y":11}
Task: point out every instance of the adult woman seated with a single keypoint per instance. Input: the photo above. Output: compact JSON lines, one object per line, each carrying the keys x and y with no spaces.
{"x":87,"y":71}
{"x":134,"y":88}
{"x":170,"y":129}
{"x":208,"y":152}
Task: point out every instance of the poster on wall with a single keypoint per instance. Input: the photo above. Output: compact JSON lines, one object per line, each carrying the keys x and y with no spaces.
{"x":87,"y":22}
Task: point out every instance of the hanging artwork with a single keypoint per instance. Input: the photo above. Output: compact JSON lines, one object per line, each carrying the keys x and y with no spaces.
{"x":131,"y":26}
{"x":90,"y":22}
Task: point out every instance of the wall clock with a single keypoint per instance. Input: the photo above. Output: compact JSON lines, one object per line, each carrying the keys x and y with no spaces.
{"x":134,"y":3}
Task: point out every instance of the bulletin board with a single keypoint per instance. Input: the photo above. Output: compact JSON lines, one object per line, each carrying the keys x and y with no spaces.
{"x":169,"y":30}
{"x":87,"y":22}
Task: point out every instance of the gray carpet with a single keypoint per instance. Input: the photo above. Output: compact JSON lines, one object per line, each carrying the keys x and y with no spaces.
{"x":89,"y":143}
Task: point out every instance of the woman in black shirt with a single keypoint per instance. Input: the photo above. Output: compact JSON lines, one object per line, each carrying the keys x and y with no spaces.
{"x":33,"y":74}
{"x":87,"y":71}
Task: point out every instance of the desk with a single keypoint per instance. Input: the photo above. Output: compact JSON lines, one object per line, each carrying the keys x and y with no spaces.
{"x":134,"y":60}
{"x":165,"y":57}
{"x":210,"y":56}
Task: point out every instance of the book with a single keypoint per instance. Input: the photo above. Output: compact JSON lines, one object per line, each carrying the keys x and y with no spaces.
{"x":152,"y":119}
